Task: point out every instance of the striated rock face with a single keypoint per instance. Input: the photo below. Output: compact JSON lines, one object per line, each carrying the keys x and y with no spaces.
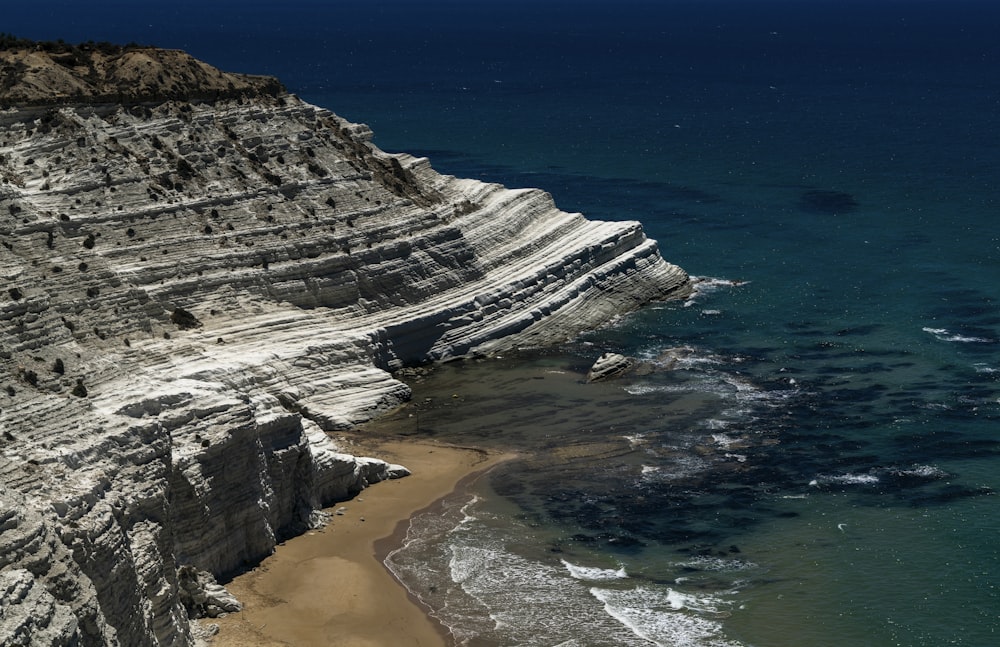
{"x":193,"y":293}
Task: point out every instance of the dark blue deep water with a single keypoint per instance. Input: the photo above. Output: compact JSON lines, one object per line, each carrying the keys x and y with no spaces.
{"x":812,"y":457}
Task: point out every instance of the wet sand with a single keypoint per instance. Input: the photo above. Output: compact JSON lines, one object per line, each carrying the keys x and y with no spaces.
{"x":329,"y":587}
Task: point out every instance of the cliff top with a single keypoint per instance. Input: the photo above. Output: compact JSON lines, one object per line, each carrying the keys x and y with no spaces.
{"x":41,"y":73}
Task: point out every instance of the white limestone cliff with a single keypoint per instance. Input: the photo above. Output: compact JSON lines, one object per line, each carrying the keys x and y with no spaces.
{"x":193,"y":293}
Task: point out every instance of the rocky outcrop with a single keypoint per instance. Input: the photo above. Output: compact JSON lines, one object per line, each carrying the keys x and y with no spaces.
{"x":31,"y":616}
{"x":195,"y":293}
{"x":613,"y":365}
{"x":609,"y":365}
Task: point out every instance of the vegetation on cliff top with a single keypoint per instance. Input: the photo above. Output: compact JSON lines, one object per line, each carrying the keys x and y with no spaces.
{"x":56,"y":72}
{"x":10,"y":41}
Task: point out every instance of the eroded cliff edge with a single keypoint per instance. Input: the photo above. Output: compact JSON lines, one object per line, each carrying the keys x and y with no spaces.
{"x":195,"y":288}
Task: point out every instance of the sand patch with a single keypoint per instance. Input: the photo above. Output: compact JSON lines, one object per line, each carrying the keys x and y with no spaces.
{"x":329,"y":587}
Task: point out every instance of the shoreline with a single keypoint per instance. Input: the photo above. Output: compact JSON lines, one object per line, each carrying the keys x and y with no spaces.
{"x":330,"y":586}
{"x":385,"y":546}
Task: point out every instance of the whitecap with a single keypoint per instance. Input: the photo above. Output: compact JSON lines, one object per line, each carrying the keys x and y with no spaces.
{"x":703,"y":285}
{"x":943,"y":334}
{"x":919,"y":471}
{"x":876,"y":475}
{"x":855,"y":479}
{"x":592,"y":574}
{"x":845,"y":479}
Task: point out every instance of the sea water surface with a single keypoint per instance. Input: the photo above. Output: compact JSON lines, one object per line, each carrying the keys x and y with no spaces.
{"x":810,"y":455}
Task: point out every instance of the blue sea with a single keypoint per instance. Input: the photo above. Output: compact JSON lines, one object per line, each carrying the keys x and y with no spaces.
{"x":810,"y":456}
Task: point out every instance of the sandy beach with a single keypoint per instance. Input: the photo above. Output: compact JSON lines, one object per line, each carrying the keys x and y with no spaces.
{"x":329,"y":586}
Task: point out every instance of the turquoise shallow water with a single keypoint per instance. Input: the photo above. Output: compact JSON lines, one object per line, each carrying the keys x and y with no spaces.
{"x":817,"y":464}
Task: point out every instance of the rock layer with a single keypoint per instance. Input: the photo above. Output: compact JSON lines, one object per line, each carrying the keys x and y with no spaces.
{"x":194,"y":293}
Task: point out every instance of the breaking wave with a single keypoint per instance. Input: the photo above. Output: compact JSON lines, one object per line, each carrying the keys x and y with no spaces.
{"x":658,"y":616}
{"x":462,"y":564}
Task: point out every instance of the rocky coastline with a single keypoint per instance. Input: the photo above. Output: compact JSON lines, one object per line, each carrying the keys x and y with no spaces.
{"x":204,"y":275}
